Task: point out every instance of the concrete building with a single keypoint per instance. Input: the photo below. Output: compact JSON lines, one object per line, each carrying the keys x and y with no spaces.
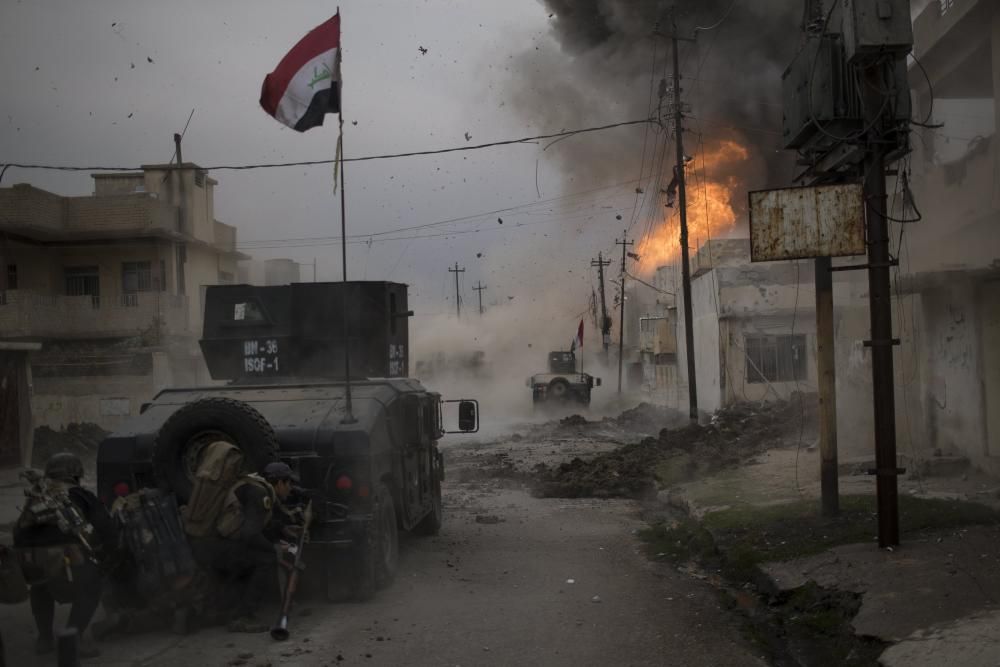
{"x":754,"y":327}
{"x":111,"y":285}
{"x":950,"y":260}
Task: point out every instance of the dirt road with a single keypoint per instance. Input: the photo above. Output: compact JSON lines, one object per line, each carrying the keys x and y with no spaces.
{"x":512,"y":579}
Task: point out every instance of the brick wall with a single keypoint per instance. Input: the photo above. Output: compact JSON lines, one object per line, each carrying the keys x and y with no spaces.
{"x":136,"y":212}
{"x":26,"y":206}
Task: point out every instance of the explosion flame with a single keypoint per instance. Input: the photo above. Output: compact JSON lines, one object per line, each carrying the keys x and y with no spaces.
{"x":711,"y":189}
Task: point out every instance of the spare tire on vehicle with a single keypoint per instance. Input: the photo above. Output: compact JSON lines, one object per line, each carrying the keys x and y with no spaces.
{"x":180,"y":440}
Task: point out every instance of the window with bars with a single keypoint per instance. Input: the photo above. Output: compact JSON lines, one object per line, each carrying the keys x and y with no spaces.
{"x":775,"y":358}
{"x":136,"y":277}
{"x":83,"y":281}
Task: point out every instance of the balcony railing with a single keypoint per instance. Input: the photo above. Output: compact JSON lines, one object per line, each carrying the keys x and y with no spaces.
{"x":25,"y":313}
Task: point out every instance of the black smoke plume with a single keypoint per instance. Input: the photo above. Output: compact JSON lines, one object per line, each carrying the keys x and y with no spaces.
{"x":612,"y":56}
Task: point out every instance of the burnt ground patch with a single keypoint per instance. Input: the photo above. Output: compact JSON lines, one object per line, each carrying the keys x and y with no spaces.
{"x":733,"y":435}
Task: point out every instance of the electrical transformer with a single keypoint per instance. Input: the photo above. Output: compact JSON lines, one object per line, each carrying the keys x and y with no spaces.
{"x":875,"y":28}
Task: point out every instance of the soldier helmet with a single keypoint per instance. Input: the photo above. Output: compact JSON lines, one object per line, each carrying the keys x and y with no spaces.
{"x":64,"y":466}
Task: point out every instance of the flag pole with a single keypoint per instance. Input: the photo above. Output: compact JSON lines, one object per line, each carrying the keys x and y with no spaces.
{"x":348,"y":408}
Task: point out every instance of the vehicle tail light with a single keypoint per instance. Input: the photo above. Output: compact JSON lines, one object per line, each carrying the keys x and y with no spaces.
{"x":344,"y":483}
{"x":121,"y":489}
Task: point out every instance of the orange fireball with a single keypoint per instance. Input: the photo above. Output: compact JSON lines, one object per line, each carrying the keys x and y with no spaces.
{"x":710,"y":211}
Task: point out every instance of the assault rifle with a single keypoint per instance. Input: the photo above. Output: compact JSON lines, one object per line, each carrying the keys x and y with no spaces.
{"x":49,"y":501}
{"x":279,"y":632}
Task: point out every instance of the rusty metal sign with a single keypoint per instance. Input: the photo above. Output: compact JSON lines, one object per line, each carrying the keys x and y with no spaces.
{"x":798,"y":223}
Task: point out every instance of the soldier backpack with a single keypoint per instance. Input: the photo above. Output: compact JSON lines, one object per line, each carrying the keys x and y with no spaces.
{"x":152,"y":535}
{"x":220,"y":467}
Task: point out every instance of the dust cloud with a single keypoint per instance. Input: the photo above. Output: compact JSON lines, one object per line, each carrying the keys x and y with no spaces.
{"x":514,"y":340}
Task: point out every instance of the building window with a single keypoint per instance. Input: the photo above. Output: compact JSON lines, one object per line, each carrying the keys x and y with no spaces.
{"x":12,"y":276}
{"x":199,"y":178}
{"x":136,"y":277}
{"x":160,"y":280}
{"x":775,"y":358}
{"x":83,"y":281}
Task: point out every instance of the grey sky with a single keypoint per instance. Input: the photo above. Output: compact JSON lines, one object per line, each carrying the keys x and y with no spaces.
{"x":70,"y":87}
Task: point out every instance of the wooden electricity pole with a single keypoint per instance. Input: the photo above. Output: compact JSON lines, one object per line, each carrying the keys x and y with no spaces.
{"x":880,"y":306}
{"x":826,"y":387}
{"x":479,"y":288}
{"x":621,"y":318}
{"x":458,"y":296}
{"x":685,"y":260}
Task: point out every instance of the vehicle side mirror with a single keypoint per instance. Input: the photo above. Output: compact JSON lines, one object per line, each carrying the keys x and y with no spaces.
{"x":468,"y":415}
{"x":597,"y":382}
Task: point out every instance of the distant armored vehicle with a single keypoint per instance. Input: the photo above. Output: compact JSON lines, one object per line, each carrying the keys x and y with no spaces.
{"x":370,"y":471}
{"x":562,"y":384}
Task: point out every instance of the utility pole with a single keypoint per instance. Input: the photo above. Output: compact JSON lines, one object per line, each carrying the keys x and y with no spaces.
{"x":458,"y":297}
{"x":880,"y":305}
{"x":827,"y":387}
{"x":621,"y":319}
{"x":600,"y":263}
{"x":685,"y":260}
{"x":479,"y":288}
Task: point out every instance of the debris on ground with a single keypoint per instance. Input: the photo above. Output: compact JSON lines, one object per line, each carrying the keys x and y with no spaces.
{"x":733,"y":435}
{"x":573,"y":420}
{"x":80,"y":439}
{"x":497,"y":468}
{"x":649,"y":418}
{"x":488,"y":518}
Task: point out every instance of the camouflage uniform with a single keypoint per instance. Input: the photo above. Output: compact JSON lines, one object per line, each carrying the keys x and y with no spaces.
{"x":61,"y":566}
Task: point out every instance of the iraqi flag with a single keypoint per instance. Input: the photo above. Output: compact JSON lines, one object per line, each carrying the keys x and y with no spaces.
{"x":305,"y":86}
{"x":578,"y":341}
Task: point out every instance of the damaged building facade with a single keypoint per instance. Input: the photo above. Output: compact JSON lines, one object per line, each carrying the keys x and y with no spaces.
{"x":109,"y":288}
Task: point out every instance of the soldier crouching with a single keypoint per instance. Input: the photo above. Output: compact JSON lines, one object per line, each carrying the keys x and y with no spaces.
{"x":243,"y":551}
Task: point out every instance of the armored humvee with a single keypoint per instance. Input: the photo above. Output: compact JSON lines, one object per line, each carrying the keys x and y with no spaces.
{"x":562,"y":384}
{"x":370,"y":471}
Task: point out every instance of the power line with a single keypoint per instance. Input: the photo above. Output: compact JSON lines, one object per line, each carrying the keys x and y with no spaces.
{"x":306,"y":163}
{"x":720,"y":21}
{"x":468,"y":218}
{"x":332,"y":240}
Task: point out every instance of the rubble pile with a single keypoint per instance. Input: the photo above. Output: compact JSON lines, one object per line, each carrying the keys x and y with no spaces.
{"x":648,"y":418}
{"x":80,"y":439}
{"x":734,"y":434}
